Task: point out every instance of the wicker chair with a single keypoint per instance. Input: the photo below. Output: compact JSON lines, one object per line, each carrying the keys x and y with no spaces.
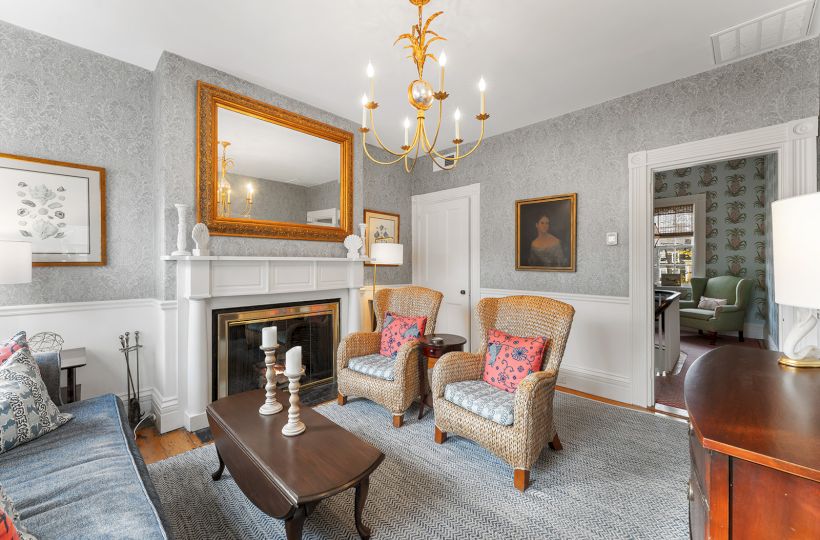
{"x":397,"y":394}
{"x":528,"y":418}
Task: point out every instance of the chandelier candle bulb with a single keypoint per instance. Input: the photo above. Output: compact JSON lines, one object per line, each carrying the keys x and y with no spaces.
{"x":442,"y":61}
{"x":457,"y":117}
{"x":364,"y":110}
{"x":371,"y":74}
{"x":482,"y":87}
{"x":269,"y":337}
{"x":406,"y":130}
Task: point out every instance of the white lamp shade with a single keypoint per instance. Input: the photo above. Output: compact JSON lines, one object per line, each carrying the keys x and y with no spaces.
{"x":796,"y":247}
{"x":387,"y":254}
{"x":15,"y":262}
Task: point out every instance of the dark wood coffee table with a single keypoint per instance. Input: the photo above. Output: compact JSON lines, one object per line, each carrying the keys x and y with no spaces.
{"x":286,"y":477}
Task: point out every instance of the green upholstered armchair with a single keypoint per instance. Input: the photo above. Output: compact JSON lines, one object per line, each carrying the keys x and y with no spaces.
{"x":736,"y":291}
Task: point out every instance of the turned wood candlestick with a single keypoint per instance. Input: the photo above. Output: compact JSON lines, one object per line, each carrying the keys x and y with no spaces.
{"x":271,"y":405}
{"x":294,"y":426}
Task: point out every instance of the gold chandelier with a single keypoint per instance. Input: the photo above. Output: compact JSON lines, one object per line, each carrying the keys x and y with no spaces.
{"x":420,"y":94}
{"x":223,"y":192}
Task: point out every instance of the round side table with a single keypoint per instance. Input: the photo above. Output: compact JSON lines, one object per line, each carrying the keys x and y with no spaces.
{"x":430,"y":353}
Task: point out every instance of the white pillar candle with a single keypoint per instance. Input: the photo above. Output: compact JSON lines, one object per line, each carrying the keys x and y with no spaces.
{"x":269,"y":336}
{"x":293,"y":361}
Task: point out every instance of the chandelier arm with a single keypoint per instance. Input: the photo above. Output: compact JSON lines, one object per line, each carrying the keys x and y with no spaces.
{"x":432,"y":154}
{"x":416,"y":157}
{"x":374,"y":160}
{"x":473,"y":149}
{"x":378,"y":139}
{"x":431,"y":147}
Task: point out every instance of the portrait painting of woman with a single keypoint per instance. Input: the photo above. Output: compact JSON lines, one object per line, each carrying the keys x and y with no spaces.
{"x":545,"y":233}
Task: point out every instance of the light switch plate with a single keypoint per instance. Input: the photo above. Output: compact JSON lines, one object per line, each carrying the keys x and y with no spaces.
{"x":612,"y":239}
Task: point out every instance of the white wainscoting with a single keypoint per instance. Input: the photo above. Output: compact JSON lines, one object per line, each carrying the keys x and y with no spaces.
{"x":96,"y":326}
{"x":598,"y":357}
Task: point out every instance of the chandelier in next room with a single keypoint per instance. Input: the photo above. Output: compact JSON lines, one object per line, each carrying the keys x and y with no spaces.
{"x":421,"y":96}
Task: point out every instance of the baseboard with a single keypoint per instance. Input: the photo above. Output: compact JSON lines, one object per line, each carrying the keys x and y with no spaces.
{"x":168,"y":414}
{"x":195,"y":422}
{"x":146,"y":401}
{"x":596,"y":382}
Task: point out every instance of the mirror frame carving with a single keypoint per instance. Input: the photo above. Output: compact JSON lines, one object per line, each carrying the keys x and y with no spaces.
{"x":209,"y":99}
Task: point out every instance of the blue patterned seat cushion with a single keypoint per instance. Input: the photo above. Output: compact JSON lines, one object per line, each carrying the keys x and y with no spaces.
{"x":483,"y":399}
{"x":374,"y":365}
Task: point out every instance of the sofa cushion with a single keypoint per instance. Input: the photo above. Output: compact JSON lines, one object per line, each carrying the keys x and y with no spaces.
{"x":85,"y":480}
{"x":374,"y":365}
{"x":398,"y":330}
{"x":695,"y":313}
{"x":11,"y":527}
{"x":511,"y":358}
{"x":26,"y":410}
{"x":483,"y":399}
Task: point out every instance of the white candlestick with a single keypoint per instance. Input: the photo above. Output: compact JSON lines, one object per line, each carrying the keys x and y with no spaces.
{"x":269,"y":337}
{"x":457,"y":116}
{"x":294,"y":426}
{"x":442,"y":61}
{"x":293,"y":361}
{"x":482,"y":87}
{"x":182,"y":230}
{"x":406,"y":131}
{"x":371,"y":74}
{"x":271,"y":406}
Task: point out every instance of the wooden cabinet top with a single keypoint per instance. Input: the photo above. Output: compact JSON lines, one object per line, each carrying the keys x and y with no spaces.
{"x":742,"y":403}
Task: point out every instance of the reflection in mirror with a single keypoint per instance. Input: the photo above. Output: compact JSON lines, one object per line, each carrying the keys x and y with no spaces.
{"x":270,"y":172}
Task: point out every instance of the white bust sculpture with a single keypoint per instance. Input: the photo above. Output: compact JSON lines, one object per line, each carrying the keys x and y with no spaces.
{"x":201,"y":238}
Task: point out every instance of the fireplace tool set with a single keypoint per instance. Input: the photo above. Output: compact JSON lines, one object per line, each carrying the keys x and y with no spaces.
{"x":132,"y":405}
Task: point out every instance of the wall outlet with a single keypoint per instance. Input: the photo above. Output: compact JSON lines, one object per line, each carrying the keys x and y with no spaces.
{"x":612,"y":239}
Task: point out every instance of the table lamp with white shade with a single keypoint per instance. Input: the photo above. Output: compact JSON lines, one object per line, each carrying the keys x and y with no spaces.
{"x":15,"y":262}
{"x":384,"y":254}
{"x":796,"y":247}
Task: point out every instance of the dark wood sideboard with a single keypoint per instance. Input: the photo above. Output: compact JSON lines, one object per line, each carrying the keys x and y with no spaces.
{"x":754,"y":440}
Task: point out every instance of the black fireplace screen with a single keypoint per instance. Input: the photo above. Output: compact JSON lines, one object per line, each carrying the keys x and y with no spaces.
{"x":240,"y":364}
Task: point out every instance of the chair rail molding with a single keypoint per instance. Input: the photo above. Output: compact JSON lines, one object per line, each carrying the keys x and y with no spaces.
{"x":794,"y":143}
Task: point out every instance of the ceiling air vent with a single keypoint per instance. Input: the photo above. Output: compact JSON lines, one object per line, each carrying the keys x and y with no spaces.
{"x":775,"y":29}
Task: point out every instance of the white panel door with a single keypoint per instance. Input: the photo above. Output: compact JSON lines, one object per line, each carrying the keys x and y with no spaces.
{"x":442,"y":259}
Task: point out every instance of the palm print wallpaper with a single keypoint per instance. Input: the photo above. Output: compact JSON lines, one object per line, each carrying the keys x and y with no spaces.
{"x":736,"y":198}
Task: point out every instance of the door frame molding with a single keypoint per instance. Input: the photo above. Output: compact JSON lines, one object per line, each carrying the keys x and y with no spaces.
{"x":795,"y":144}
{"x":471,"y":192}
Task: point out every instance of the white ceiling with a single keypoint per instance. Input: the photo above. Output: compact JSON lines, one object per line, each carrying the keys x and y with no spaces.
{"x":268,"y":151}
{"x":541,"y":58}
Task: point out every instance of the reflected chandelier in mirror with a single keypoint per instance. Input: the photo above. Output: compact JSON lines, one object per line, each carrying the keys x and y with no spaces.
{"x":266,"y":172}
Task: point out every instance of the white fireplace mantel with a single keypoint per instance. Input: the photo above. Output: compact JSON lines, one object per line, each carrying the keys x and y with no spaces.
{"x":202,"y":281}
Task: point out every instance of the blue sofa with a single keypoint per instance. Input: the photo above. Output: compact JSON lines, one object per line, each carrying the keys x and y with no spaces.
{"x":86,"y":479}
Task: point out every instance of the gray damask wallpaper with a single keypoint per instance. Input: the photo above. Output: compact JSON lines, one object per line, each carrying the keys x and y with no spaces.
{"x":175,"y":161}
{"x":738,"y":198}
{"x":585,"y":152}
{"x":64,"y":103}
{"x":388,"y":189}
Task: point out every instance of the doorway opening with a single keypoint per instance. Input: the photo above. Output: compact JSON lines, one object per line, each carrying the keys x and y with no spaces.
{"x":712,"y":270}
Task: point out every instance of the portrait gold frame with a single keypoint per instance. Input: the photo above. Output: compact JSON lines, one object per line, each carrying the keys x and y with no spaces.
{"x":209,"y":99}
{"x":573,"y":198}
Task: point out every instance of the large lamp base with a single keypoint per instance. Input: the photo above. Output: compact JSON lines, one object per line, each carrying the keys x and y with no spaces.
{"x":808,"y":357}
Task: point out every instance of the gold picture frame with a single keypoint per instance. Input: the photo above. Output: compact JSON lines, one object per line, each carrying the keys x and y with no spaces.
{"x":379,"y":224}
{"x":209,"y":99}
{"x":545,"y":233}
{"x":56,"y":205}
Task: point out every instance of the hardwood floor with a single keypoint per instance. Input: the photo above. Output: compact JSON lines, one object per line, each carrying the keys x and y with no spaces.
{"x":155,"y":447}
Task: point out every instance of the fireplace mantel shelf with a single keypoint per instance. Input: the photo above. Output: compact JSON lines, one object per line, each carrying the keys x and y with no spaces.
{"x":255,"y":258}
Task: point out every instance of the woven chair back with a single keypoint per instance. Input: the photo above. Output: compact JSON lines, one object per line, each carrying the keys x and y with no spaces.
{"x":528,"y":316}
{"x":408,"y":302}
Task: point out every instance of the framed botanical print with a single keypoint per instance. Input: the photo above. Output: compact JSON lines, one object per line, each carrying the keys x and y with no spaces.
{"x":545,"y":233}
{"x":382,"y":227}
{"x":59,"y":207}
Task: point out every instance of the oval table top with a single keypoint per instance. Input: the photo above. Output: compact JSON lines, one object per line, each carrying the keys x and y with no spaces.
{"x":742,"y":403}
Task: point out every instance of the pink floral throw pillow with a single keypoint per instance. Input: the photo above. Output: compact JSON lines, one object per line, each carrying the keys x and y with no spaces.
{"x":397,"y":330}
{"x":510,"y":358}
{"x":12,"y":345}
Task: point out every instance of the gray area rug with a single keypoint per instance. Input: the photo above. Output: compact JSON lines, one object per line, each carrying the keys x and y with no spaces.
{"x":622,"y":474}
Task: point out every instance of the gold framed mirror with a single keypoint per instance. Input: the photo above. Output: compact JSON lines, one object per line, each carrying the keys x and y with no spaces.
{"x":266,"y":172}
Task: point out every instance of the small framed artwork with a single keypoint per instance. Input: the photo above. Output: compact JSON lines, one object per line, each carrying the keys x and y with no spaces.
{"x":382,"y":227}
{"x":59,"y":207}
{"x":545,"y":233}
